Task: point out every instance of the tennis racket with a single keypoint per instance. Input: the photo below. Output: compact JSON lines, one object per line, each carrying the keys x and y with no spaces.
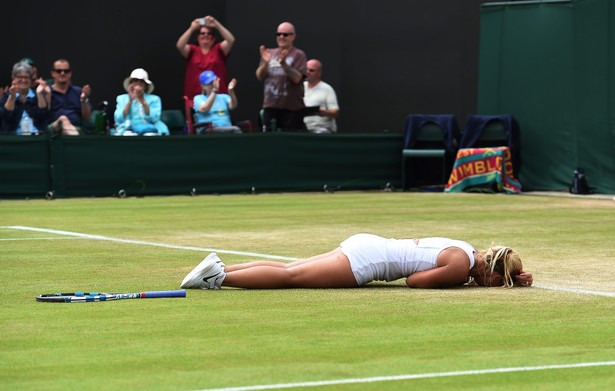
{"x":83,"y":297}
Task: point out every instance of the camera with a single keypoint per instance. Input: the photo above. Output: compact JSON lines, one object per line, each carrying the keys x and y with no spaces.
{"x":202,"y":21}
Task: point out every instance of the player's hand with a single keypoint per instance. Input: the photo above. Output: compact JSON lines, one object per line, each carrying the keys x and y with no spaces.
{"x":525,"y":279}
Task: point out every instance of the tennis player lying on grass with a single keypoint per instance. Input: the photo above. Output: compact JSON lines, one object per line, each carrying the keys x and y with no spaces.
{"x":362,"y":258}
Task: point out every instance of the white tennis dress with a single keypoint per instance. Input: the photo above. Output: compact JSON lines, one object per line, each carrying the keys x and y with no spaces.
{"x":374,"y":258}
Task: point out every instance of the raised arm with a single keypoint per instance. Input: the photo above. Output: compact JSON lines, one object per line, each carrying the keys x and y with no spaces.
{"x":182,"y":42}
{"x":228,"y":38}
{"x":263,"y":67}
{"x":231,"y":92}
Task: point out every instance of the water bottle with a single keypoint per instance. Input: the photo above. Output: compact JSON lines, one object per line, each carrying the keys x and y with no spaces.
{"x":579,"y":182}
{"x":100,"y":121}
{"x":26,"y":125}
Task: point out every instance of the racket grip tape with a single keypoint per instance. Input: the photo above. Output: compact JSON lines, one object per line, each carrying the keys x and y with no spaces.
{"x":158,"y":294}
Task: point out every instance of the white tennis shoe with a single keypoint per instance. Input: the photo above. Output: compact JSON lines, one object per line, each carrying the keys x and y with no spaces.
{"x":208,"y":274}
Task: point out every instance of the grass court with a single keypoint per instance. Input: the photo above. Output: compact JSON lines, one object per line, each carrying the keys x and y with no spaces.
{"x":558,"y":335}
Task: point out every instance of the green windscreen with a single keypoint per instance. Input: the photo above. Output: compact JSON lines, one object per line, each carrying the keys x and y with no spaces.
{"x":549,"y":63}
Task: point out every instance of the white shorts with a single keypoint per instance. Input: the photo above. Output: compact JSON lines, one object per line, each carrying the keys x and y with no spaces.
{"x":364,"y":251}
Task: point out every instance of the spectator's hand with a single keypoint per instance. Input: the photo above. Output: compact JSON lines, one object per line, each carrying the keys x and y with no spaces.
{"x":139,"y":91}
{"x":132,"y":93}
{"x":265,"y":54}
{"x":13,"y":89}
{"x":43,"y":87}
{"x":283,"y":55}
{"x":232,"y":84}
{"x":210,"y":21}
{"x":195,"y":24}
{"x":525,"y":279}
{"x":85,"y":92}
{"x":216,"y":83}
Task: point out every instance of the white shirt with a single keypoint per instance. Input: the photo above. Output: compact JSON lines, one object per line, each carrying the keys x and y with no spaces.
{"x":374,"y":258}
{"x":323,"y":95}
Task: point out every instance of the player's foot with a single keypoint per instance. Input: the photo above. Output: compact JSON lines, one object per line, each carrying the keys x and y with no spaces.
{"x":208,"y":274}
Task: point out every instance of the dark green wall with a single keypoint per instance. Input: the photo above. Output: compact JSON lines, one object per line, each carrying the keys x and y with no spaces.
{"x":268,"y":162}
{"x":551,"y":65}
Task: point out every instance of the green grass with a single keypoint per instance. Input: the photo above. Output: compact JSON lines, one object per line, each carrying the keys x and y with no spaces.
{"x":234,"y":337}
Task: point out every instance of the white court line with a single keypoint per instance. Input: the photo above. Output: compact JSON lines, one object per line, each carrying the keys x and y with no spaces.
{"x":118,"y":240}
{"x":574,"y":290}
{"x":247,"y":254}
{"x":17,"y":239}
{"x":411,"y":377}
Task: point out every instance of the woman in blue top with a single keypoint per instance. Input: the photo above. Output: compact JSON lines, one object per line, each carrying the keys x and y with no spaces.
{"x":212,"y":109}
{"x":424,"y":263}
{"x":138,"y":111}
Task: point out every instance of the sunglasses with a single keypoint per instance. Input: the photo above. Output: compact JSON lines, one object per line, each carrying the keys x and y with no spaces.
{"x":206,"y":33}
{"x":62,"y":70}
{"x":284,"y":34}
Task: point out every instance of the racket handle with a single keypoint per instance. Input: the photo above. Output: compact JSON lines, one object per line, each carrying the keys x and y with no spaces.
{"x":157,"y":294}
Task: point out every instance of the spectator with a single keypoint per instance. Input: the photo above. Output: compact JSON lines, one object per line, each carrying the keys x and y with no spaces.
{"x":283,"y":69}
{"x":70,"y":105}
{"x":35,"y":77}
{"x":212,"y":109}
{"x":208,"y":55}
{"x":138,"y":111}
{"x":22,"y":110}
{"x":30,"y":62}
{"x":319,"y":94}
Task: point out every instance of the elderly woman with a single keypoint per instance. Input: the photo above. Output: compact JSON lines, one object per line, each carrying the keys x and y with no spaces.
{"x":138,"y":111}
{"x":362,"y":258}
{"x":23,"y":111}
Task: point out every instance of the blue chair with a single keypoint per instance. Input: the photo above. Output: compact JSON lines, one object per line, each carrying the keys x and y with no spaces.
{"x":429,"y":136}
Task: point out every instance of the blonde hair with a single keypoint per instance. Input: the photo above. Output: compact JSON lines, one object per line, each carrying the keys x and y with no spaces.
{"x":505,"y":261}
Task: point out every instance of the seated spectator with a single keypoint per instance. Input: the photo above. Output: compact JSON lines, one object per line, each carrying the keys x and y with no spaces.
{"x":23,"y":111}
{"x":322,"y":95}
{"x":212,"y":109}
{"x":35,"y":77}
{"x":138,"y":111}
{"x":30,"y":62}
{"x":70,"y":105}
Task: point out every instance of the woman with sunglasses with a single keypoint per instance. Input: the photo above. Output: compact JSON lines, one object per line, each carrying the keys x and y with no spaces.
{"x":207,"y":55}
{"x":362,"y":258}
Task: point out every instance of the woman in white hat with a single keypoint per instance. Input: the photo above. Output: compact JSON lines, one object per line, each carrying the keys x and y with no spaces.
{"x":138,"y":111}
